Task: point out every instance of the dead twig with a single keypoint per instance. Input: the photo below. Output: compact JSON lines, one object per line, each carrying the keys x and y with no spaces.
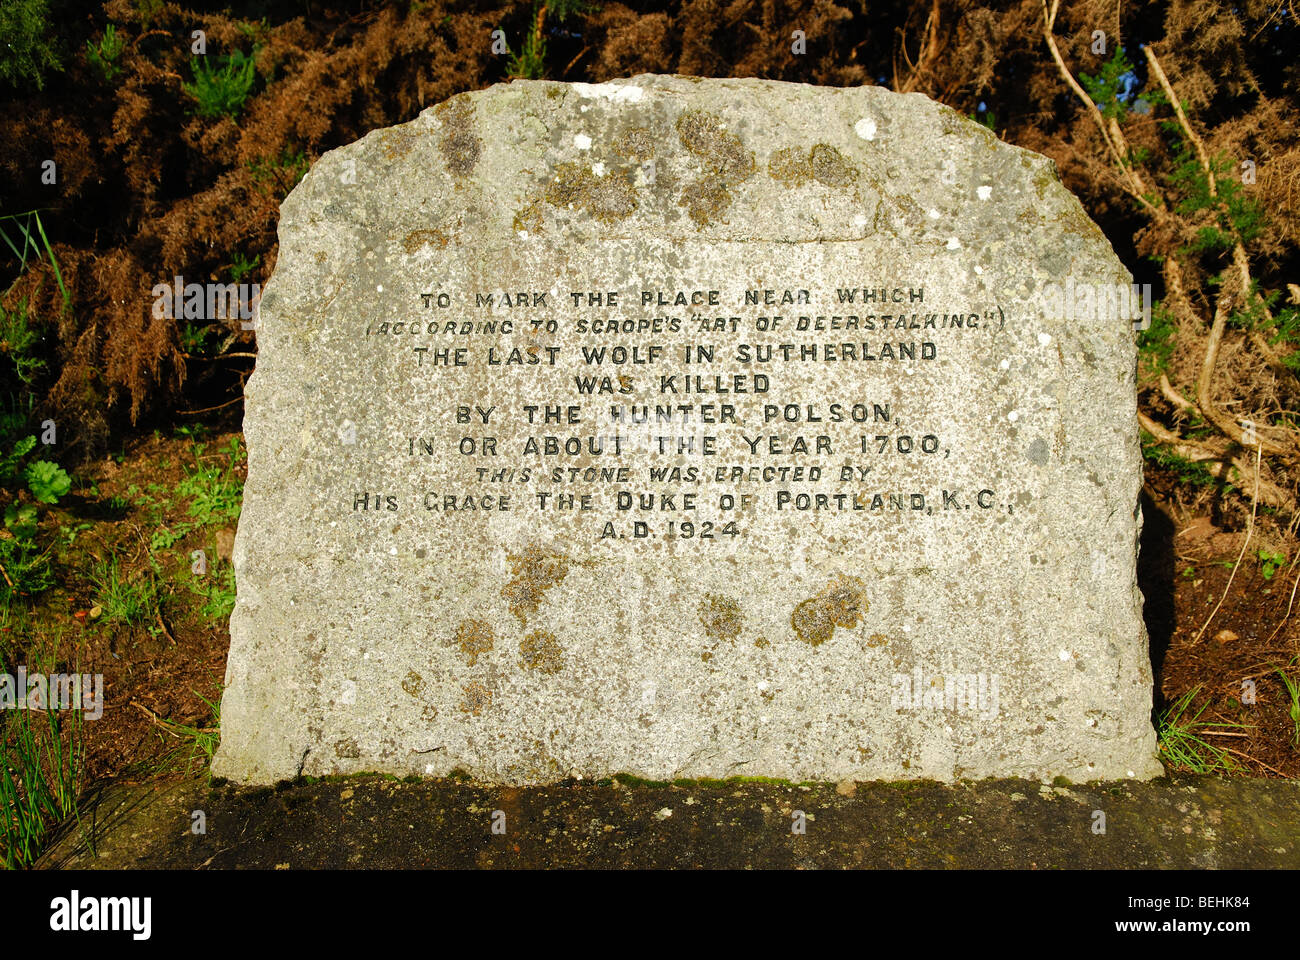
{"x":1174,"y":102}
{"x":565,"y":71}
{"x":925,"y":55}
{"x":1132,"y":183}
{"x":167,"y":725}
{"x":157,"y":612}
{"x":1204,"y":399}
{"x":1223,"y":733}
{"x":1173,"y":396}
{"x":1246,"y":756}
{"x":190,"y":413}
{"x":156,"y":720}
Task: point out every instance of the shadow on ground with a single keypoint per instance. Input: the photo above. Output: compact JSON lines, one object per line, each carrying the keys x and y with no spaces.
{"x":377,"y":822}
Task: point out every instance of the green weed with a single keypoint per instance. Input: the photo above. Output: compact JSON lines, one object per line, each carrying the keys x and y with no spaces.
{"x":27,"y":51}
{"x":1157,"y":343}
{"x":1286,"y":330}
{"x":217,"y":591}
{"x":41,"y":762}
{"x":198,"y":743}
{"x":1113,"y":88}
{"x":195,"y":431}
{"x":221,"y":90}
{"x":122,"y":599}
{"x":103,"y":56}
{"x":530,"y":61}
{"x":1177,"y":734}
{"x":235,"y":451}
{"x":241,"y":266}
{"x":47,"y":481}
{"x":1238,"y":216}
{"x":1292,"y":684}
{"x":71,"y":532}
{"x":24,"y":234}
{"x":1188,"y":472}
{"x":26,"y":566}
{"x":10,"y":461}
{"x":166,"y":537}
{"x":18,"y":337}
{"x":16,"y":413}
{"x":1270,"y":562}
{"x":194,"y":338}
{"x":281,"y":173}
{"x":216,"y":496}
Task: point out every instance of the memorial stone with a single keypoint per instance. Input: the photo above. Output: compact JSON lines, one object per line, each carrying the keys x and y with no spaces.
{"x":690,"y":428}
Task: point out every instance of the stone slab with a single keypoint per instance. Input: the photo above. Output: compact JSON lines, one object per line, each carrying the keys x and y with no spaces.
{"x":840,"y":483}
{"x":1182,"y":822}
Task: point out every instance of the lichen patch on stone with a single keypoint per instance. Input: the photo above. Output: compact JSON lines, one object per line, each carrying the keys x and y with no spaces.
{"x":637,"y":145}
{"x":789,"y":167}
{"x":721,"y":616}
{"x":413,"y":683}
{"x":706,"y":200}
{"x":475,"y":698}
{"x":831,"y":167}
{"x":823,"y":163}
{"x":541,"y":652}
{"x":397,"y":142}
{"x":533,"y":572}
{"x":842,"y":604}
{"x":528,"y":218}
{"x":416,"y":240}
{"x":460,"y":145}
{"x":474,"y":638}
{"x":608,"y":198}
{"x":723,"y":153}
{"x":725,"y":160}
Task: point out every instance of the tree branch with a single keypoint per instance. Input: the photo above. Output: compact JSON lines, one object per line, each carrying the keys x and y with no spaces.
{"x":1135,"y":187}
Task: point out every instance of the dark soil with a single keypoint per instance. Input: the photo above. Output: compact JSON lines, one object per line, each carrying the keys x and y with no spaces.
{"x":159,"y":671}
{"x":1184,"y":571}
